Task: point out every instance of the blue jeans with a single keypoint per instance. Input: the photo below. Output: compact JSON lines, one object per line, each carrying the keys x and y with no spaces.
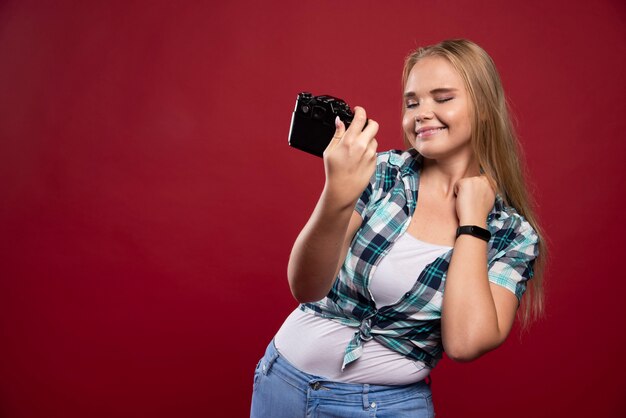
{"x":282,"y":391}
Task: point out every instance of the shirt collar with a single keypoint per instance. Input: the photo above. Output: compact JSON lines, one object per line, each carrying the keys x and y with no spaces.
{"x":413,"y":164}
{"x":498,"y":207}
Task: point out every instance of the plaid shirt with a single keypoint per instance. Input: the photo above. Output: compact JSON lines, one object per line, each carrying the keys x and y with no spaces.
{"x":412,"y":326}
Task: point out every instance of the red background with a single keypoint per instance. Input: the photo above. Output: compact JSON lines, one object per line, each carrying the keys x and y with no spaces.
{"x":149,"y":199}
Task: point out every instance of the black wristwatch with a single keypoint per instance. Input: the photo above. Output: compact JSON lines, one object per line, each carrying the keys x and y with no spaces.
{"x":475,"y":231}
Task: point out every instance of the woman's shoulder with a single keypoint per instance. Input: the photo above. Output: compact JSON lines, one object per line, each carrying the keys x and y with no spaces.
{"x":506,"y":220}
{"x":402,"y":159}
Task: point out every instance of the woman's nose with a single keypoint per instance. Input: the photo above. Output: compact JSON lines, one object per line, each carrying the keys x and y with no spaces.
{"x":423,"y":114}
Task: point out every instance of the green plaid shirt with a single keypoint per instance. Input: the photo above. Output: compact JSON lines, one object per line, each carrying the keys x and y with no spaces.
{"x":412,"y":326}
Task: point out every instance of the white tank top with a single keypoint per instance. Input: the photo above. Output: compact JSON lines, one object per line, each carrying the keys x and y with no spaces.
{"x":316,"y":345}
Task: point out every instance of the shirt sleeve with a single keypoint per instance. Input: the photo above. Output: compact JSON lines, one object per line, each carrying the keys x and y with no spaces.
{"x":512,"y":267}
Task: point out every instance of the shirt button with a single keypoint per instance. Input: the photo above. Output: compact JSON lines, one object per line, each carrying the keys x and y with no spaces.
{"x":373,"y":405}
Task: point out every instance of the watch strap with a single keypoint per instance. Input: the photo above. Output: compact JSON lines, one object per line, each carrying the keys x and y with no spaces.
{"x":474,"y":231}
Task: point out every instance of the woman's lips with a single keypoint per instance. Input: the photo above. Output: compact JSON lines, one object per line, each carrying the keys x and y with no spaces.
{"x":426,"y":132}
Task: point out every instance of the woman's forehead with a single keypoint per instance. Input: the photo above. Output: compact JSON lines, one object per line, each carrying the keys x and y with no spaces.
{"x":433,"y":73}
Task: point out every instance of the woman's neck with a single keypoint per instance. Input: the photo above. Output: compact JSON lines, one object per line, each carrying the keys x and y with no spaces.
{"x":441,"y":176}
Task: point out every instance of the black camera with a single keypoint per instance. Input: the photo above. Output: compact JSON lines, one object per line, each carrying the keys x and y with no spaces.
{"x":313,"y":122}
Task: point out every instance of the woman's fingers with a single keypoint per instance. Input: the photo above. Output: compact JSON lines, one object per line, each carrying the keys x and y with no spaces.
{"x":357,"y":131}
{"x":491,"y":181}
{"x":372,"y":147}
{"x":371,"y":129}
{"x":358,"y":122}
{"x":357,"y":137}
{"x":474,"y":199}
{"x":340,"y":130}
{"x":350,"y":158}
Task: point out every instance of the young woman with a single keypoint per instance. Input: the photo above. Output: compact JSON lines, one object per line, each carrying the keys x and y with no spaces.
{"x":389,"y":232}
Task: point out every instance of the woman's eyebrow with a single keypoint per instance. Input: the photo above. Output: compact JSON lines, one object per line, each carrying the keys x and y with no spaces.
{"x":433,"y":91}
{"x":443,"y":90}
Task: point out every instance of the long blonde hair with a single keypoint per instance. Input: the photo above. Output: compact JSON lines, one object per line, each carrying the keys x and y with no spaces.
{"x":494,"y":142}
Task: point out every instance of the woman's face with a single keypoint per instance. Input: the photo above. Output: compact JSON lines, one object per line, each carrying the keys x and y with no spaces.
{"x":437,"y":110}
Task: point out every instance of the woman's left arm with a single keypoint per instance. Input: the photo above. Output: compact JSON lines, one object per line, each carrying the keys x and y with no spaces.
{"x":477,"y":315}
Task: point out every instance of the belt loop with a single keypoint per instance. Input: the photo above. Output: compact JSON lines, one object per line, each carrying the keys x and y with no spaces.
{"x":267,"y":365}
{"x":366,"y":402}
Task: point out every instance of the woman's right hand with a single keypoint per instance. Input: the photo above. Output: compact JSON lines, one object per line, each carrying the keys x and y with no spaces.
{"x":350,"y":159}
{"x":322,"y":245}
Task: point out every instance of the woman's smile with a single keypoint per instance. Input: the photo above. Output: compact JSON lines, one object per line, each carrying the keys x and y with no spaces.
{"x":429,"y":131}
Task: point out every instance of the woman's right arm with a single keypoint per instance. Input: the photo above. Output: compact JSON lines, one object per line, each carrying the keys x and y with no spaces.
{"x":321,"y":247}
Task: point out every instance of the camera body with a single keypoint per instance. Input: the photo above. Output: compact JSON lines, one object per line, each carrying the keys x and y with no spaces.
{"x":313,"y":122}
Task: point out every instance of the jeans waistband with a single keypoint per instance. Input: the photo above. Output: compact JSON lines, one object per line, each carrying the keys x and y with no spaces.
{"x":273,"y":362}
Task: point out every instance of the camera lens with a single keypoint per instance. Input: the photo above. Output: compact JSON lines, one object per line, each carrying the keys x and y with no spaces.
{"x":305,"y":109}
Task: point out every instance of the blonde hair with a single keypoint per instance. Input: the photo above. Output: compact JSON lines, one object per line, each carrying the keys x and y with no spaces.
{"x":494,"y":143}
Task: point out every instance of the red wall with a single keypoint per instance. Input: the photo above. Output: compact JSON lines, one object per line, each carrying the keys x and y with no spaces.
{"x":149,"y":199}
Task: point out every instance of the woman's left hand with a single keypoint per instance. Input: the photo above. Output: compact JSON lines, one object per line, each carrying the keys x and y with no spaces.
{"x":475,"y":198}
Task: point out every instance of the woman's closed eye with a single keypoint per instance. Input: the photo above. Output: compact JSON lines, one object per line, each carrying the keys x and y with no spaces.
{"x":410,"y":105}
